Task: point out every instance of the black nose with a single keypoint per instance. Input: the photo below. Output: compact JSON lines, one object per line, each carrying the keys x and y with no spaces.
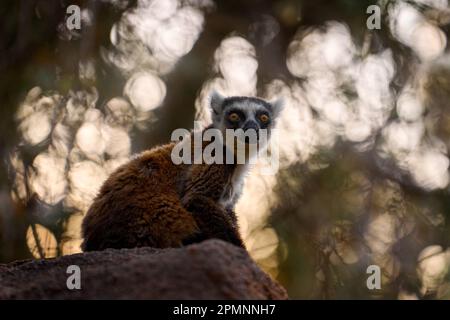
{"x":251,"y":125}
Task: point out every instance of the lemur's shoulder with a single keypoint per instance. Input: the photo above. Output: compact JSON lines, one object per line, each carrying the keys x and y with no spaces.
{"x":143,"y":173}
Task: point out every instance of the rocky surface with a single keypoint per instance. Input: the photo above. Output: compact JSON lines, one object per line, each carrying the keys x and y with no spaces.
{"x":209,"y":270}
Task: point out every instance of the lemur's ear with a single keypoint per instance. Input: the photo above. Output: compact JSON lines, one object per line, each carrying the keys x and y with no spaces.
{"x":277,"y":106}
{"x":216,"y":101}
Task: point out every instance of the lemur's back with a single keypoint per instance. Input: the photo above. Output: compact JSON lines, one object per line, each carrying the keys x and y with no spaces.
{"x":139,"y":205}
{"x":152,"y":202}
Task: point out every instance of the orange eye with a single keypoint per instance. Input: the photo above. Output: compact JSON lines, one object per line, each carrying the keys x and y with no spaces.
{"x":233,"y":117}
{"x":264,"y":118}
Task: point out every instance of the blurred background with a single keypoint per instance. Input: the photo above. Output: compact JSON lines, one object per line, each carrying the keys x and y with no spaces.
{"x":364,"y":136}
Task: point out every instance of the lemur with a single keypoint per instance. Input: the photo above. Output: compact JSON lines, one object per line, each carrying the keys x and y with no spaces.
{"x":150,"y":201}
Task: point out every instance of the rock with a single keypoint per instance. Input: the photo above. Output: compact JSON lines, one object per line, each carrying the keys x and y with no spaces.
{"x":209,"y":270}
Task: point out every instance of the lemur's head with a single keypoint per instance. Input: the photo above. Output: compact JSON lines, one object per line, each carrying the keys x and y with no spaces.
{"x":246,"y":113}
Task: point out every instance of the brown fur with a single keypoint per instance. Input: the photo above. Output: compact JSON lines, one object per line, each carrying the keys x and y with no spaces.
{"x":150,"y":201}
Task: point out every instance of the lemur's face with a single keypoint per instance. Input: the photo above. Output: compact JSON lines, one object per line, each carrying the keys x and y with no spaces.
{"x":246,"y":113}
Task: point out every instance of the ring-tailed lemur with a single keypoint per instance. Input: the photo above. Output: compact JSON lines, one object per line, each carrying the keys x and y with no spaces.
{"x":150,"y":201}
